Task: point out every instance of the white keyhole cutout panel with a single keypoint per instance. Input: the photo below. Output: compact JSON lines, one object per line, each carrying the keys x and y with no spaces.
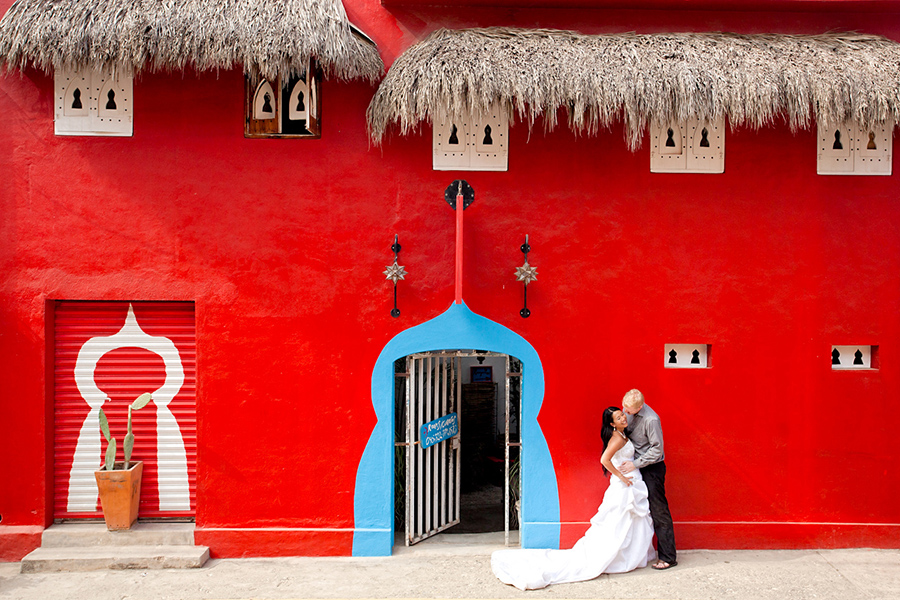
{"x":849,"y":149}
{"x":694,"y":146}
{"x":482,"y":144}
{"x":83,"y":105}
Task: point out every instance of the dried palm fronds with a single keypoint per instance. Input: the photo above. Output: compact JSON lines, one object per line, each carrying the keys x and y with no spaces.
{"x":271,"y":38}
{"x":751,"y":79}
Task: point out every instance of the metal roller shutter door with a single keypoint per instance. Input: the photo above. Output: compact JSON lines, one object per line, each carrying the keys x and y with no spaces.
{"x":118,"y":350}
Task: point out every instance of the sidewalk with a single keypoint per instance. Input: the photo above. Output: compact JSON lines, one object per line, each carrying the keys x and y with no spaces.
{"x":458,"y":566}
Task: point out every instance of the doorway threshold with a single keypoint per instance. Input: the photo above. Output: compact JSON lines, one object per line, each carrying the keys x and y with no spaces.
{"x":474,"y":544}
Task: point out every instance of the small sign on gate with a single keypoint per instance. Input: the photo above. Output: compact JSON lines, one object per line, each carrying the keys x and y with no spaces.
{"x":440,"y":429}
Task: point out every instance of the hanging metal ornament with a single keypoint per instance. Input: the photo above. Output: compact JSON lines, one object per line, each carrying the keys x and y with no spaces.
{"x":395,"y":273}
{"x":526,"y":274}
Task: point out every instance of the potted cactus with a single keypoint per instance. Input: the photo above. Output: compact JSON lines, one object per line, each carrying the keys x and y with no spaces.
{"x":119,"y":483}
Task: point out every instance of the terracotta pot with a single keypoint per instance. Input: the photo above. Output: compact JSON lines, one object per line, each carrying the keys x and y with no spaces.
{"x":120,"y":495}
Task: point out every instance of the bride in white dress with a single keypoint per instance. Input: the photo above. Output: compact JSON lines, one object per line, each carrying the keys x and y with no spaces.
{"x":619,"y":539}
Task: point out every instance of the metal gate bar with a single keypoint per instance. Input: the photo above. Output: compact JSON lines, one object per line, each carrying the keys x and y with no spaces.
{"x":442,"y":487}
{"x":506,"y":458}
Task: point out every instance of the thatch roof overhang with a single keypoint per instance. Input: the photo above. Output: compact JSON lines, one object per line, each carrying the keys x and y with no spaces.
{"x":272,"y":39}
{"x":751,"y":79}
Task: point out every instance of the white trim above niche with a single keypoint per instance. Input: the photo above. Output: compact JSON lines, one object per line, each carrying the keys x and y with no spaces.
{"x":92,"y":103}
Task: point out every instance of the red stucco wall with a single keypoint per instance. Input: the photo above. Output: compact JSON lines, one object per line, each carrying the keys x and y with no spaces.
{"x":281,"y":244}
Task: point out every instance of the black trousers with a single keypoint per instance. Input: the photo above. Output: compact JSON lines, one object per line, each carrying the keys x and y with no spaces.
{"x":655,"y":477}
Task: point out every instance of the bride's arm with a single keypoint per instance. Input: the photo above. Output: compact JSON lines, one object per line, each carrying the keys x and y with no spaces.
{"x":614,"y":445}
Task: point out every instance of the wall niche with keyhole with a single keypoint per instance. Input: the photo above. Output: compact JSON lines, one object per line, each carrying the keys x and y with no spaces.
{"x":862,"y":356}
{"x":687,"y":356}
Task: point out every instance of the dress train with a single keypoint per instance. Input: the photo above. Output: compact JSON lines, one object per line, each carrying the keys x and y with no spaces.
{"x":620,"y":539}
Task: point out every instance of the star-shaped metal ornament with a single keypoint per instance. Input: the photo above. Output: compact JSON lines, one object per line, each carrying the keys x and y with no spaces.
{"x":526,"y":273}
{"x":395,"y":272}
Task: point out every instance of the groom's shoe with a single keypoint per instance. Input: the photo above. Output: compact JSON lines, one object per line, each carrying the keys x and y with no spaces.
{"x":663,"y":565}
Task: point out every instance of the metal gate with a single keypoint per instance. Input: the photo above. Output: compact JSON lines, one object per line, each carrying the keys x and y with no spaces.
{"x":432,"y":400}
{"x":432,"y":472}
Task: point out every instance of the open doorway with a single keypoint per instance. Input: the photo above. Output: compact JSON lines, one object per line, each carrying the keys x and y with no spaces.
{"x":483,"y":416}
{"x":465,"y":477}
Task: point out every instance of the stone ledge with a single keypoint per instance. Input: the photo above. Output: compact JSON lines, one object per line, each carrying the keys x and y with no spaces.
{"x":45,"y":560}
{"x":66,"y":535}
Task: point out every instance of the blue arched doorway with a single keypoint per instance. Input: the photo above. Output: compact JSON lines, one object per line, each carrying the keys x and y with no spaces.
{"x":457,"y":328}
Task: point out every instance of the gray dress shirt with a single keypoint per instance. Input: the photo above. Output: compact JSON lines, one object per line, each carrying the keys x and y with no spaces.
{"x":645,"y":432}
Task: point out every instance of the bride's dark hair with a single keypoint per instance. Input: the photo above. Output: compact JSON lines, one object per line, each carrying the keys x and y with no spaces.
{"x":606,"y":430}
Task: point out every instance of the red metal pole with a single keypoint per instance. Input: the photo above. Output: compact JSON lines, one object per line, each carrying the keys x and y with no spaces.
{"x":459,"y":247}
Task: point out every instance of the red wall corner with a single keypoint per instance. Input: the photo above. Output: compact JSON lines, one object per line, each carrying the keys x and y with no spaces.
{"x":17,"y":541}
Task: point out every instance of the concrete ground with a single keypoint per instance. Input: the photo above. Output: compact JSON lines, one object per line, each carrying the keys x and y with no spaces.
{"x":458,"y":566}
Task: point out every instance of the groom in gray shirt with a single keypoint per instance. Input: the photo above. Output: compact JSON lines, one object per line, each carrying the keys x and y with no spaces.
{"x":645,"y":432}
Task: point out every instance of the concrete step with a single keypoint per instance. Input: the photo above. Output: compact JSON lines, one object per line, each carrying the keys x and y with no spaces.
{"x":90,"y":547}
{"x":47,"y":560}
{"x":67,"y":535}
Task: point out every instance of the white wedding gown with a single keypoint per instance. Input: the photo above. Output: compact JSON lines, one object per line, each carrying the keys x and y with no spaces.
{"x":619,"y":539}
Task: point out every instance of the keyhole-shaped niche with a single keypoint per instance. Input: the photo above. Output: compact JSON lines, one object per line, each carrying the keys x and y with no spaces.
{"x":837,"y":145}
{"x":854,"y":357}
{"x":76,"y":98}
{"x":299,"y":101}
{"x":264,"y":102}
{"x":873,"y":151}
{"x":687,"y":356}
{"x":704,"y":138}
{"x":491,"y":143}
{"x":871,"y":144}
{"x":706,"y":152}
{"x":674,"y":142}
{"x":451,"y":145}
{"x":834,"y":154}
{"x":110,"y":103}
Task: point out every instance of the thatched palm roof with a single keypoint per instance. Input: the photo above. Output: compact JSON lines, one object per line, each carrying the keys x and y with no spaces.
{"x":752,"y":79}
{"x":272,"y":38}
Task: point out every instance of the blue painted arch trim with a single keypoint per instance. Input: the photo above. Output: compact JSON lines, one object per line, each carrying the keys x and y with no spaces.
{"x":457,"y":328}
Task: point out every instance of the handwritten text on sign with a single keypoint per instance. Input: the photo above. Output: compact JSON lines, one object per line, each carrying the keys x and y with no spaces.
{"x":439,"y":430}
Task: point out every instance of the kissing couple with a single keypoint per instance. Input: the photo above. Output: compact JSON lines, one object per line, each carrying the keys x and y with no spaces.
{"x":620,"y":537}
